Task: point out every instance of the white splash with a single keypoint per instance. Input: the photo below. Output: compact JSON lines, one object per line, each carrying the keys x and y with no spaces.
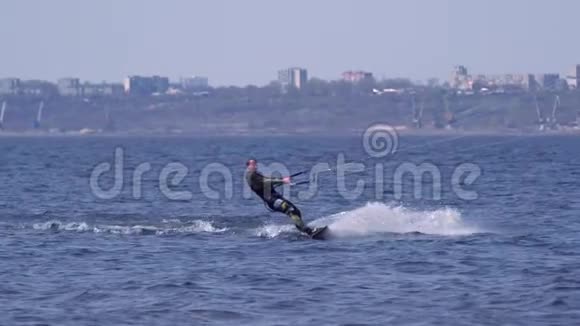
{"x":196,"y":226}
{"x":60,"y":226}
{"x":274,"y":230}
{"x":171,"y":220}
{"x":376,"y":218}
{"x":125,"y":229}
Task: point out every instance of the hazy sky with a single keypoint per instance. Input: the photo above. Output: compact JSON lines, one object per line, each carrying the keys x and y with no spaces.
{"x":246,"y":42}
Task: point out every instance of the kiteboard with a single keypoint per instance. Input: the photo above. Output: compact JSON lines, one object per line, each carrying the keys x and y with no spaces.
{"x":319,"y":233}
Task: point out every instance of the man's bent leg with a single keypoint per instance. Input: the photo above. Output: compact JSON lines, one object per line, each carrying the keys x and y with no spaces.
{"x":293,"y":212}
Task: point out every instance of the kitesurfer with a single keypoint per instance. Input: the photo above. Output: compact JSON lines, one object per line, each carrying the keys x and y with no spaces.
{"x":264,"y":187}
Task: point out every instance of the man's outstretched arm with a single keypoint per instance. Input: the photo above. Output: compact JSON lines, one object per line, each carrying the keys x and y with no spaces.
{"x":274,"y":182}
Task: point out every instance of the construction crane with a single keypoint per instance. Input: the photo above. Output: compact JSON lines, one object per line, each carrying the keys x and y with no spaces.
{"x":554,"y":125}
{"x":541,"y":121}
{"x":2,"y":115}
{"x":417,"y":115}
{"x":109,"y":122}
{"x":420,"y":118}
{"x":449,"y":116}
{"x":38,"y":121}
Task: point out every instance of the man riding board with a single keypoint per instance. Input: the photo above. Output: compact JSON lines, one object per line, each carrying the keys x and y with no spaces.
{"x":264,"y":187}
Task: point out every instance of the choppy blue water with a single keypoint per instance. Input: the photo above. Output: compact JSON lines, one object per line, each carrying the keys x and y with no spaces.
{"x":509,"y":257}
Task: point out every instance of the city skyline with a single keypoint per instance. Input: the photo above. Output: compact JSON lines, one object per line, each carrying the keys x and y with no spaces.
{"x":241,"y":44}
{"x":296,"y":77}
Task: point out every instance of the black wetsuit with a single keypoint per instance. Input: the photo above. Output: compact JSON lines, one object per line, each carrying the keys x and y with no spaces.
{"x":264,"y":187}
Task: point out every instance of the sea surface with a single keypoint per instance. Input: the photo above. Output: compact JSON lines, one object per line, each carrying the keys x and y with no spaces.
{"x":180,"y":241}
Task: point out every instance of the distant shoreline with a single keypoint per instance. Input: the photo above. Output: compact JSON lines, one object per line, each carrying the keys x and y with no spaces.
{"x":269,"y":133}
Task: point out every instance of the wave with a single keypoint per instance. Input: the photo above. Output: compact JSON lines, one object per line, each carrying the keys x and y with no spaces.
{"x":377,"y":218}
{"x":274,"y":230}
{"x":370,"y":219}
{"x":196,"y":226}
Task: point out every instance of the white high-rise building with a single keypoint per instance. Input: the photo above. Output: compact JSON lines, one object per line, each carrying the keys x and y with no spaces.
{"x":293,"y":77}
{"x":194,"y":82}
{"x":573,"y":78}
